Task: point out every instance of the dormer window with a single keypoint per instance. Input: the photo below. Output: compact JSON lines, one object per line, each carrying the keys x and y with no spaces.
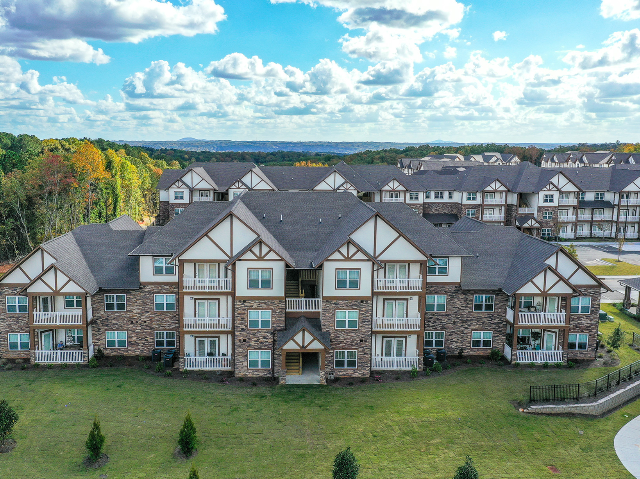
{"x":178,"y":195}
{"x":438,"y":266}
{"x":162,"y":266}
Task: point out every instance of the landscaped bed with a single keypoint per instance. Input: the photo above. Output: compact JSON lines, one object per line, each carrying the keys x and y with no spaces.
{"x":615,"y":268}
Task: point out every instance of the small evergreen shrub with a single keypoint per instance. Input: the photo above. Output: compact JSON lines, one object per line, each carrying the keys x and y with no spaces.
{"x":570,"y":364}
{"x":427,"y":372}
{"x":616,"y":338}
{"x":467,"y":470}
{"x":345,"y":465}
{"x":447,"y":366}
{"x":36,"y":365}
{"x":159,"y":367}
{"x":482,"y":361}
{"x":93,"y":362}
{"x":516,"y":364}
{"x":168,"y":373}
{"x":49,"y":366}
{"x":469,"y":361}
{"x":495,"y":355}
{"x":437,"y":367}
{"x":558,"y":365}
{"x":414,"y":372}
{"x":95,"y":441}
{"x":8,"y":419}
{"x":193,"y":473}
{"x":532,"y":364}
{"x":545,"y":364}
{"x":99,"y":354}
{"x":187,"y":439}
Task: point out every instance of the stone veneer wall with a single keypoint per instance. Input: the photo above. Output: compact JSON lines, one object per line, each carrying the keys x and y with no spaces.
{"x":586,"y":323}
{"x":246,"y":339}
{"x":459,"y":320}
{"x":510,"y":215}
{"x":139,"y":320}
{"x":477,"y":208}
{"x":11,"y":323}
{"x":418,"y":208}
{"x":552,"y":223}
{"x":342,"y":339}
{"x":166,"y":212}
{"x":450,"y":208}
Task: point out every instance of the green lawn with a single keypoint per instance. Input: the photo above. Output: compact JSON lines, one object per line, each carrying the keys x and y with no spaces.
{"x":617,"y":268}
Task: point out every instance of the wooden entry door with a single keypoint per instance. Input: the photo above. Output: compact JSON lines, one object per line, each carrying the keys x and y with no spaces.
{"x":293,"y":364}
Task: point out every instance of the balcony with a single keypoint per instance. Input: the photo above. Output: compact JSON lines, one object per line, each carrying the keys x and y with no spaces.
{"x":392,"y":200}
{"x":567,"y":235}
{"x":629,"y":219}
{"x":584,"y":217}
{"x":583,"y":234}
{"x":207,"y":324}
{"x":602,"y":217}
{"x":526,"y":211}
{"x":206,"y":284}
{"x":494,"y":201}
{"x":542,"y":319}
{"x":396,"y":324}
{"x":630,"y":201}
{"x":304,"y":304}
{"x":384,"y":363}
{"x":398,"y":284}
{"x":526,"y":356}
{"x":57,"y":318}
{"x":602,"y":234}
{"x":631,"y":235}
{"x":62,"y":356}
{"x":203,"y":198}
{"x":566,"y":219}
{"x":493,"y":218}
{"x":208,"y":363}
{"x":568,"y":201}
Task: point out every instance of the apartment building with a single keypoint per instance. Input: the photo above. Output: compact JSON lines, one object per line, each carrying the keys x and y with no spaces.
{"x":275,"y":284}
{"x":411,"y":165}
{"x":578,"y":159}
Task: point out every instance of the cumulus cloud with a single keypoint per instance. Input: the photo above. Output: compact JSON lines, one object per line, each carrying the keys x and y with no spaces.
{"x":498,"y":35}
{"x":388,"y":73}
{"x":620,"y":9}
{"x":450,"y":52}
{"x":239,"y":67}
{"x":58,"y":30}
{"x":620,"y":48}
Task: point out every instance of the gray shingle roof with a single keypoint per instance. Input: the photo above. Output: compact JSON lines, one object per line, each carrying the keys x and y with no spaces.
{"x":223,"y":174}
{"x":295,"y":326}
{"x":439,"y":218}
{"x":633,"y":283}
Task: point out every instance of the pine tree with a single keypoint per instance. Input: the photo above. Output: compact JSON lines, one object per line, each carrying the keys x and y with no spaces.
{"x":95,"y":441}
{"x":467,"y":470}
{"x":193,"y":473}
{"x":187,"y":438}
{"x":8,"y":419}
{"x":616,"y":338}
{"x":345,"y":465}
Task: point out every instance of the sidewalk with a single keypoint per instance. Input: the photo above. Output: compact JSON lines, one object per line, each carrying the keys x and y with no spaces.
{"x":627,"y":446}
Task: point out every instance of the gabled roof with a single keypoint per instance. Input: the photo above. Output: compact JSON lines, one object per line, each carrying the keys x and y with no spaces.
{"x":222,"y":174}
{"x":293,"y":327}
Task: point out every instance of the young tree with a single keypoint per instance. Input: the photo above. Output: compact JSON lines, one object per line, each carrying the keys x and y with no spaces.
{"x":345,"y":465}
{"x":8,"y":419}
{"x":187,"y":439}
{"x":571,"y":249}
{"x":193,"y":473}
{"x":467,"y":470}
{"x":616,"y":338}
{"x":95,"y":441}
{"x":620,"y":242}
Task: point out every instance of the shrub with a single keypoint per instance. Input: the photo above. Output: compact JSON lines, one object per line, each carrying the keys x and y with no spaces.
{"x":8,"y":419}
{"x":168,"y":373}
{"x":414,"y":372}
{"x":467,"y":470}
{"x":545,"y":364}
{"x":95,"y":441}
{"x":147,"y":366}
{"x":64,"y":365}
{"x":427,"y":371}
{"x":437,"y":367}
{"x":187,"y":439}
{"x":482,"y":361}
{"x":570,"y":364}
{"x":99,"y":354}
{"x":93,"y":362}
{"x":460,"y":353}
{"x":558,"y":365}
{"x":159,"y":367}
{"x":193,"y":473}
{"x":516,"y":364}
{"x":616,"y":338}
{"x":49,"y":366}
{"x":532,"y":364}
{"x":495,"y":355}
{"x":140,"y":358}
{"x":345,"y":465}
{"x":469,"y":361}
{"x":447,"y":366}
{"x":36,"y":365}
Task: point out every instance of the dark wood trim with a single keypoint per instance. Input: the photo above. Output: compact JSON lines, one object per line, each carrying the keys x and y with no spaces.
{"x":259,"y":298}
{"x":159,"y":283}
{"x":347,"y":298}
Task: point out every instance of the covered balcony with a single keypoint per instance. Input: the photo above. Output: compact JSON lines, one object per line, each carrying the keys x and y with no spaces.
{"x":396,"y":324}
{"x":492,"y":217}
{"x":206,"y":284}
{"x":207,"y":324}
{"x":59,"y":356}
{"x":566,"y":218}
{"x":302,"y":291}
{"x":568,"y":201}
{"x":57,"y":318}
{"x":397,"y":284}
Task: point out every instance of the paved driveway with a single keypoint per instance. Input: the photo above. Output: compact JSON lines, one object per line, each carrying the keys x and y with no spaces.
{"x":627,"y":446}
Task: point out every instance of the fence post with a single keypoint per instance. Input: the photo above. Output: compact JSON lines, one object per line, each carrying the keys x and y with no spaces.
{"x":608,"y":378}
{"x":619,"y":375}
{"x":578,"y":398}
{"x":554,"y":392}
{"x":530,"y":393}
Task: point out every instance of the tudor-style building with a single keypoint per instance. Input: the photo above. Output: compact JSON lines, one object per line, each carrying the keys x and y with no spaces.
{"x":304,"y":284}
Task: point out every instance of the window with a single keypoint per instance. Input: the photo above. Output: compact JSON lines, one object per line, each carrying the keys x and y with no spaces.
{"x":438,"y":195}
{"x":17,"y":304}
{"x":437,"y":302}
{"x":165,"y":339}
{"x":162,"y":266}
{"x":178,"y":195}
{"x":177,"y":211}
{"x":116,"y":339}
{"x":72,"y":302}
{"x":236,"y":194}
{"x":483,"y":302}
{"x":259,"y":278}
{"x":489,"y":196}
{"x":260,"y":319}
{"x":438,"y":266}
{"x":347,"y":279}
{"x":347,"y":319}
{"x":427,"y":194}
{"x":470,"y":213}
{"x":547,"y":215}
{"x":564,"y":196}
{"x":581,"y":196}
{"x":434,"y":339}
{"x":451,"y":195}
{"x":259,"y":359}
{"x":562,"y":213}
{"x":526,"y":302}
{"x":115,"y":302}
{"x":74,"y":336}
{"x":599,"y":196}
{"x":414,"y":196}
{"x":546,"y":232}
{"x":346,"y":359}
{"x":164,"y":302}
{"x":472,"y":196}
{"x":547,"y":198}
{"x":397,"y":271}
{"x":393,"y":195}
{"x":578,"y":341}
{"x":18,"y":342}
{"x":481,"y":339}
{"x":581,"y":305}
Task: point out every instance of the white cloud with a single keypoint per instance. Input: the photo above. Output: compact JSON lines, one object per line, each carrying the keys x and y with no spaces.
{"x":388,"y":73}
{"x":381,"y":46}
{"x":450,"y":52}
{"x":57,"y":30}
{"x":621,"y":48}
{"x":620,"y":9}
{"x":498,"y":35}
{"x":239,"y":67}
{"x":581,"y":46}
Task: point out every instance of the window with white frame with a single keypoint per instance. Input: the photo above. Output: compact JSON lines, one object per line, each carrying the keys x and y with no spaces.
{"x":547,"y":198}
{"x":599,"y":196}
{"x":17,"y":304}
{"x":481,"y":339}
{"x":526,"y":302}
{"x":115,"y":302}
{"x":581,"y":305}
{"x":562,"y":214}
{"x":547,"y":215}
{"x":438,"y":195}
{"x":414,"y":196}
{"x":436,"y":302}
{"x":581,"y":196}
{"x":259,"y":359}
{"x":346,"y":359}
{"x":438,"y":266}
{"x":177,"y":211}
{"x":347,"y":279}
{"x":72,"y":302}
{"x":347,"y":319}
{"x":74,"y":336}
{"x":564,"y":196}
{"x":116,"y":339}
{"x":259,"y":278}
{"x":260,"y":319}
{"x":427,"y":194}
{"x":178,"y":195}
{"x":434,"y":339}
{"x":397,"y":271}
{"x":489,"y":196}
{"x":483,"y":302}
{"x":546,"y":232}
{"x":165,"y":339}
{"x":164,"y":302}
{"x":451,"y":195}
{"x":472,"y":196}
{"x":162,"y":266}
{"x":578,"y":341}
{"x":18,"y":342}
{"x":470,"y":213}
{"x":394,"y":195}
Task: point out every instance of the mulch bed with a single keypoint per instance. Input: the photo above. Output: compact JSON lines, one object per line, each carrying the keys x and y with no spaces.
{"x":7,"y":446}
{"x":178,"y":454}
{"x":90,"y":464}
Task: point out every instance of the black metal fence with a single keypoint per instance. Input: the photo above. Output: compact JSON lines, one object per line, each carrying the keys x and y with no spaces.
{"x":560,"y":392}
{"x":635,"y":339}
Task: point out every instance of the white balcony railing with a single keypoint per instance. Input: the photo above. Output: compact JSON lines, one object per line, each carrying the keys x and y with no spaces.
{"x":526,"y":356}
{"x":542,"y":319}
{"x":414,"y":284}
{"x":62,"y":356}
{"x":405,"y":362}
{"x":602,"y":234}
{"x":57,"y":318}
{"x":203,"y":198}
{"x":629,"y":219}
{"x":494,"y":201}
{"x":208,"y":362}
{"x":304,"y":304}
{"x":396,"y":324}
{"x":631,"y":235}
{"x":567,"y":218}
{"x":584,"y":217}
{"x":206,"y":284}
{"x":568,"y":201}
{"x":492,"y":217}
{"x":583,"y":234}
{"x":567,"y":235}
{"x":602,"y":217}
{"x":630,"y":201}
{"x":392,"y":200}
{"x":526,"y":211}
{"x":207,"y":324}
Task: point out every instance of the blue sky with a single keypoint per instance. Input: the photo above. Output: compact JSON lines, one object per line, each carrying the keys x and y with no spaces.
{"x":340,"y":70}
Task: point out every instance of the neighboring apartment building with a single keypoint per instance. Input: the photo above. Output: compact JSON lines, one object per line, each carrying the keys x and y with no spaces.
{"x":411,"y":165}
{"x":274,"y":284}
{"x":597,"y":159}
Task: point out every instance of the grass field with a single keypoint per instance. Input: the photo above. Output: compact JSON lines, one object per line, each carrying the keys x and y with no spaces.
{"x":617,"y":268}
{"x":418,"y":429}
